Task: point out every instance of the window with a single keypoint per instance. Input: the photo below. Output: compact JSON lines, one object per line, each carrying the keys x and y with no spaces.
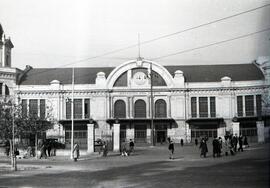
{"x":203,"y":107}
{"x":42,"y":108}
{"x":87,"y":108}
{"x":140,"y":109}
{"x":259,"y":105}
{"x":193,"y":107}
{"x":24,"y":107}
{"x":78,"y":108}
{"x":33,"y":107}
{"x":68,"y":109}
{"x":6,"y":90}
{"x":1,"y":89}
{"x":160,"y":108}
{"x":212,"y":107}
{"x":249,"y":103}
{"x":240,"y":106}
{"x":119,"y":109}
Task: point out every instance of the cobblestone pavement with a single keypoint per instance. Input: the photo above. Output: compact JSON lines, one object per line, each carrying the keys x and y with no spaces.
{"x":147,"y":167}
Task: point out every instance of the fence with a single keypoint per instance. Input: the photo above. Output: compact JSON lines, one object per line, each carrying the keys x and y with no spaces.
{"x":251,"y":134}
{"x":209,"y":133}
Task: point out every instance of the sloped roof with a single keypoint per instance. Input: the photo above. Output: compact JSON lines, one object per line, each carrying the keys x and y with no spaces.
{"x":43,"y":76}
{"x":192,"y":73}
{"x":214,"y":73}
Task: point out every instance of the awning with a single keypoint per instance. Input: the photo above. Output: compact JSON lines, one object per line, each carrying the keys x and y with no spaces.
{"x":205,"y":123}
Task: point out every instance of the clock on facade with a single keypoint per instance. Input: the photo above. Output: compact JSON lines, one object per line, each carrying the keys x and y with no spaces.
{"x":140,"y":78}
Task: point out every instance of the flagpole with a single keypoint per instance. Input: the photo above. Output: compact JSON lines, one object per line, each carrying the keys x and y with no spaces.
{"x":72,"y":116}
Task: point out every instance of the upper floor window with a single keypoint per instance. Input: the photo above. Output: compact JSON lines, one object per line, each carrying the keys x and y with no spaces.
{"x":78,"y":109}
{"x":249,"y":104}
{"x":140,"y":108}
{"x":193,"y":106}
{"x":160,"y":109}
{"x":119,"y":109}
{"x":203,"y":107}
{"x":240,"y":106}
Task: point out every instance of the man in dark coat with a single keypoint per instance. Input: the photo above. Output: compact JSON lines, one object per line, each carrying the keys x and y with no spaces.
{"x":203,"y":147}
{"x":235,"y":141}
{"x":240,"y":140}
{"x":171,"y":149}
{"x":215,"y":144}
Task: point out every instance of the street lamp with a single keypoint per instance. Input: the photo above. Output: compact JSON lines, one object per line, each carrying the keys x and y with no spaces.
{"x":150,"y":76}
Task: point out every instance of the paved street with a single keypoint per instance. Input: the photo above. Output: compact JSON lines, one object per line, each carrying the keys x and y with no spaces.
{"x":148,"y":167}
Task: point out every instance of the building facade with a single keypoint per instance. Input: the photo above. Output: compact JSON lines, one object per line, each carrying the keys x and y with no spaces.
{"x":141,"y":96}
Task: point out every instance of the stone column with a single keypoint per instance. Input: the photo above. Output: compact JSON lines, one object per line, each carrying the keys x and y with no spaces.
{"x":90,"y":137}
{"x":116,"y":137}
{"x":236,"y":128}
{"x":221,"y":131}
{"x":260,"y":131}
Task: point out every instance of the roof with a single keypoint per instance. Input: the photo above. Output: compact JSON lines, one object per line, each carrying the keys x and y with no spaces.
{"x":192,"y":73}
{"x":43,"y":76}
{"x":214,"y":73}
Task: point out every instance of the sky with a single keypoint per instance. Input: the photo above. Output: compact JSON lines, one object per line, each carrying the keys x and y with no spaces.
{"x":66,"y":33}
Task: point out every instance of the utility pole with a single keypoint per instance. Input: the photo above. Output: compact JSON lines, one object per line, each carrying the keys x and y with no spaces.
{"x":152,"y":109}
{"x":14,"y":162}
{"x":72,"y":116}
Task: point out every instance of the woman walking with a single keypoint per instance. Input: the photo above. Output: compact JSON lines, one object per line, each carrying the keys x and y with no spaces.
{"x":76,"y":152}
{"x":171,"y":149}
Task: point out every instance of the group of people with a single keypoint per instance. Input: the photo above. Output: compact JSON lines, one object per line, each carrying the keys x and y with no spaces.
{"x":231,"y":144}
{"x":47,"y":149}
{"x":127,"y":148}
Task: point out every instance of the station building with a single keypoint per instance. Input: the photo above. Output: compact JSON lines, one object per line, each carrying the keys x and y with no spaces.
{"x":185,"y":102}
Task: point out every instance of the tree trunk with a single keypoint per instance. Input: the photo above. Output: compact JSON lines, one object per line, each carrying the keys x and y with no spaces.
{"x":36,"y":147}
{"x":11,"y":152}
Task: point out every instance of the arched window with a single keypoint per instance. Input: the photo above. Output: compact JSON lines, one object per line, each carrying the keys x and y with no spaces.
{"x":160,"y":109}
{"x":6,"y":90}
{"x":140,"y":109}
{"x":119,"y":109}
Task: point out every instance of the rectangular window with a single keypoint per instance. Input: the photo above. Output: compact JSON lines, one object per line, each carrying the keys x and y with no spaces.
{"x":42,"y":108}
{"x":193,"y":107}
{"x":212,"y":106}
{"x":259,"y":105}
{"x":249,"y":104}
{"x":78,"y":108}
{"x":1,"y":89}
{"x":203,"y":107}
{"x":240,"y":106}
{"x":68,"y":109}
{"x":86,"y":108}
{"x":24,"y":107}
{"x":33,"y":107}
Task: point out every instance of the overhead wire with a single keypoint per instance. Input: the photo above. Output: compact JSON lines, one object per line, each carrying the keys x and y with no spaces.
{"x":155,"y":39}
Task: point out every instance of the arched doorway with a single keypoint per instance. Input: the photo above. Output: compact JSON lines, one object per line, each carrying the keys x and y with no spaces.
{"x":140,"y":128}
{"x":161,"y":128}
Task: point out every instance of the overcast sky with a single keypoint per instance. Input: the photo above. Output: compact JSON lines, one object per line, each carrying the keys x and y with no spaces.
{"x":53,"y":33}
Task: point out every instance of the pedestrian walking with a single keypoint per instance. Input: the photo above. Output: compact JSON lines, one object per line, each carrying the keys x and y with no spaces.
{"x":171,"y":149}
{"x":105,"y":149}
{"x":131,"y":146}
{"x":203,"y":147}
{"x":196,"y":141}
{"x":245,"y":141}
{"x":182,"y":142}
{"x":219,"y":146}
{"x":235,"y":142}
{"x":124,"y":149}
{"x":240,"y":140}
{"x":76,"y":152}
{"x":215,"y":144}
{"x":226,"y":145}
{"x":43,"y":151}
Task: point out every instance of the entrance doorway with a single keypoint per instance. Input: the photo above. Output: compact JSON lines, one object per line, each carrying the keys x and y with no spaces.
{"x":140,"y":133}
{"x":161,"y":133}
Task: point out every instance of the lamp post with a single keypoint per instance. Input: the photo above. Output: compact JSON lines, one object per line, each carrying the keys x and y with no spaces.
{"x":150,"y":76}
{"x":72,"y":117}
